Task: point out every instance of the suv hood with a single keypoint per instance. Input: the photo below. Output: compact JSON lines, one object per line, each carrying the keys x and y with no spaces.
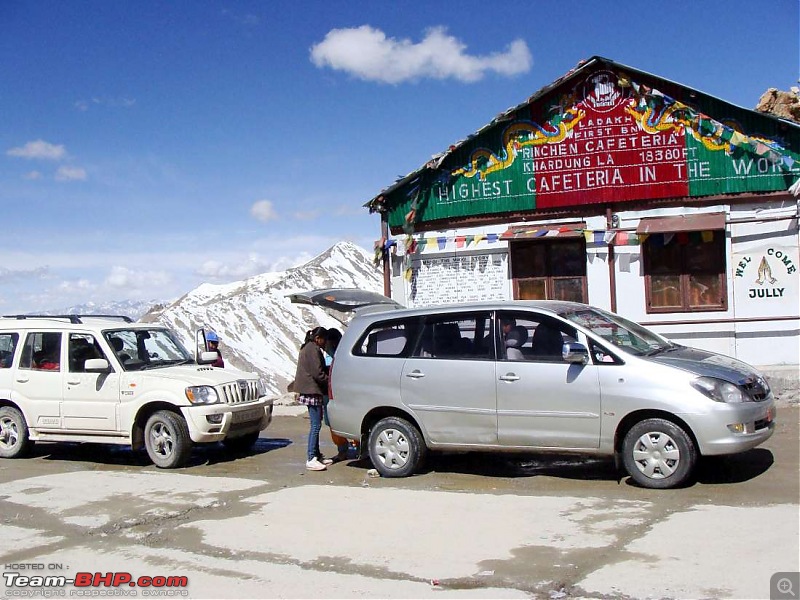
{"x":708,"y":364}
{"x":197,"y":374}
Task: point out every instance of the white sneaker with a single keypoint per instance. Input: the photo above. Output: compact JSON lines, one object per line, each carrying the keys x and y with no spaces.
{"x":325,"y":461}
{"x":315,"y":465}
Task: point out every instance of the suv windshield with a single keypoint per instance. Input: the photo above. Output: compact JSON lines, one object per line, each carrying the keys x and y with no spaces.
{"x":139,"y":349}
{"x":624,"y":334}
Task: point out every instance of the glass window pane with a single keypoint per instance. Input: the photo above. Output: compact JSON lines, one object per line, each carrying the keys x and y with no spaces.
{"x":665,"y":291}
{"x":662,"y":259}
{"x":532,"y":289}
{"x":567,"y":258}
{"x":528,"y":259}
{"x":705,"y":290}
{"x":568,"y":288}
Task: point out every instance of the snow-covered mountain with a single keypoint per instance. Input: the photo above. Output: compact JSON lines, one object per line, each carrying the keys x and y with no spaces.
{"x":134,"y":309}
{"x":259,"y":329}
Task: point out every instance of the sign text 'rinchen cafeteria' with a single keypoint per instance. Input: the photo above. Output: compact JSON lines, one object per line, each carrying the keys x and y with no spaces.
{"x":606,"y":147}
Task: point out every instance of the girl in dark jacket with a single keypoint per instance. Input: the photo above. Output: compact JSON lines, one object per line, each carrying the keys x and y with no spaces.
{"x":311,"y":384}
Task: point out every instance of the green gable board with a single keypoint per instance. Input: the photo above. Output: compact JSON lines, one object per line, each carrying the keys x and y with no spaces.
{"x":610,"y":139}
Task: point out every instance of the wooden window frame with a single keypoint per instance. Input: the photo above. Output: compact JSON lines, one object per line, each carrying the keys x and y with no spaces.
{"x":548,"y":279}
{"x":684,"y":280}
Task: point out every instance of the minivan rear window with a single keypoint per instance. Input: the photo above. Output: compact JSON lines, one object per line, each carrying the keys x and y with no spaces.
{"x":389,"y":338}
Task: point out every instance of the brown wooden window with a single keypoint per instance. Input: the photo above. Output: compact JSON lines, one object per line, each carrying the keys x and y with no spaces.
{"x":685,"y":271}
{"x":549,"y":270}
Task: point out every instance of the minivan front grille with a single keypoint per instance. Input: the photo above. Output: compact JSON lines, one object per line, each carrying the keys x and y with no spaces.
{"x":757,"y":388}
{"x":240,"y":391}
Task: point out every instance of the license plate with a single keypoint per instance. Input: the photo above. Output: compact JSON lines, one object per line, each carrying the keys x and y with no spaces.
{"x":247,"y":415}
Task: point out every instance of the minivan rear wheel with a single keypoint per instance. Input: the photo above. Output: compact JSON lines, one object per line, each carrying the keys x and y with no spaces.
{"x":396,"y":447}
{"x":658,"y":454}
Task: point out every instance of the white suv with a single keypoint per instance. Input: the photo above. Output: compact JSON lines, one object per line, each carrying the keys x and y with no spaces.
{"x":104,"y":379}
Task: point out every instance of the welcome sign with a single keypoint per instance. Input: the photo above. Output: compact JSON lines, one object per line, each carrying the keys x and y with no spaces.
{"x":766,"y":281}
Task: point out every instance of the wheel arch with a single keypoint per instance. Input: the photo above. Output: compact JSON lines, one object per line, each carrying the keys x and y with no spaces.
{"x":631,"y":419}
{"x":144,"y":412}
{"x":381,"y":412}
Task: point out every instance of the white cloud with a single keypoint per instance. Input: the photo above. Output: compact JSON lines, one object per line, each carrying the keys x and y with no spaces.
{"x":32,"y":175}
{"x":40,"y":150}
{"x":76,"y":286}
{"x":7,"y":275}
{"x":121,"y":102}
{"x":368,"y":54}
{"x":263,"y":210}
{"x":130,"y":280}
{"x":70,"y":174}
{"x":306,"y":215}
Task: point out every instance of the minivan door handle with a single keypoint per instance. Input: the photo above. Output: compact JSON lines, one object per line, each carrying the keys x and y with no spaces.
{"x":509,"y":377}
{"x":416,"y":374}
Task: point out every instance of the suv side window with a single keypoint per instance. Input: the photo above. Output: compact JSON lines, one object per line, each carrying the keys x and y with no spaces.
{"x":42,"y":351}
{"x":8,"y":343}
{"x":457,"y":336}
{"x":82,"y":347}
{"x":389,"y":338}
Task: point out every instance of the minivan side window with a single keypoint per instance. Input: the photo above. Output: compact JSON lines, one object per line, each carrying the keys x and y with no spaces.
{"x":531,"y":337}
{"x":8,"y":342}
{"x":457,"y":336}
{"x":389,"y":338}
{"x":41,"y":352}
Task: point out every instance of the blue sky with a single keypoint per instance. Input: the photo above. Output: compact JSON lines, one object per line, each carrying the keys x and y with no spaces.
{"x":149,"y":146}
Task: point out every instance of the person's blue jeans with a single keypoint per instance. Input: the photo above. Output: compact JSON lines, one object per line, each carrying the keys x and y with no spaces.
{"x":315,"y":416}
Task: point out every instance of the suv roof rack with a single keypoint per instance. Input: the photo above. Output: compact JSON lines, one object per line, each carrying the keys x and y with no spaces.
{"x":75,"y":319}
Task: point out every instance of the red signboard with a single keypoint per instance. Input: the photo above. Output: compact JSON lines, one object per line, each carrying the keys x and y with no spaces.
{"x":609,"y":156}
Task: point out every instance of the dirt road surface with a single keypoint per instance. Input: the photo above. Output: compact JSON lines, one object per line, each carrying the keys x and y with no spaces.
{"x":469,"y":526}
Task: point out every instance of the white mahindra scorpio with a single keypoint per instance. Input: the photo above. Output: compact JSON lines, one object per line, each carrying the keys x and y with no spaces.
{"x":84,"y":378}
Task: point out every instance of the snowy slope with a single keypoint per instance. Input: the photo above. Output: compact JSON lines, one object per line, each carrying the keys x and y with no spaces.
{"x":260,"y":330}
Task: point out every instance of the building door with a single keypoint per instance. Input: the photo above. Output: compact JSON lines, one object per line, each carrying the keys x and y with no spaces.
{"x":549,"y":269}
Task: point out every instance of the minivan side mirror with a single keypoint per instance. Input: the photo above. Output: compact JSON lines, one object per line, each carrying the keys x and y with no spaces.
{"x":575,"y":352}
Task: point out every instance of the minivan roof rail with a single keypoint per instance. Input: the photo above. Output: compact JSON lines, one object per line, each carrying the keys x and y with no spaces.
{"x":75,"y":319}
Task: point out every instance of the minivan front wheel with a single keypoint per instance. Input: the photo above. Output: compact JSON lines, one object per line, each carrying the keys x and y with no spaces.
{"x":396,"y":447}
{"x":166,"y":437}
{"x":658,"y":454}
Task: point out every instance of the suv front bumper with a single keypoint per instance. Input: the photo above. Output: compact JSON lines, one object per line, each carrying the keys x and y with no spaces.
{"x":215,"y":422}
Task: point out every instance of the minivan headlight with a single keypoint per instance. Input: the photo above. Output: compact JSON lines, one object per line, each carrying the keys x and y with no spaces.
{"x":202,"y":394}
{"x":719,"y":390}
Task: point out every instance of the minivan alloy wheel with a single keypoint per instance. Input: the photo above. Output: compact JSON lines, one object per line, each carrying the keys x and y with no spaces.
{"x":658,"y":454}
{"x":396,"y":447}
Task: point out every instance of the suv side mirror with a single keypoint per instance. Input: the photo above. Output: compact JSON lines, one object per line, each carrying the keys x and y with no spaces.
{"x":206,"y":358}
{"x":96,"y":365}
{"x":575,"y":352}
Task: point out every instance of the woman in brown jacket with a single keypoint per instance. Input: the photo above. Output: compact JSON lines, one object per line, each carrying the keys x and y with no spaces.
{"x":311,"y":384}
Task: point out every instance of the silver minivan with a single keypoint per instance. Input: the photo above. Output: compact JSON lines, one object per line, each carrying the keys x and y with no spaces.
{"x":535,"y":376}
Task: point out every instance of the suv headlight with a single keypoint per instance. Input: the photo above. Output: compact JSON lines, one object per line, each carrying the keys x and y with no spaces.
{"x":262,"y":388}
{"x":719,"y":390}
{"x":202,"y":394}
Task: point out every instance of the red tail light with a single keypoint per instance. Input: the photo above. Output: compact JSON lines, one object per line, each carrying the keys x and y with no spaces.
{"x":330,"y":379}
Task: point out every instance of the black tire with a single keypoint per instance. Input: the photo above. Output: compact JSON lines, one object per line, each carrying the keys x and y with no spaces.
{"x":396,"y":447}
{"x":166,"y":437}
{"x":14,"y":440}
{"x":241,"y":444}
{"x":658,"y":454}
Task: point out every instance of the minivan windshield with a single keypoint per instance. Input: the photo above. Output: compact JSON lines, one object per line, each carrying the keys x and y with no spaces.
{"x":620,"y":332}
{"x":139,"y":349}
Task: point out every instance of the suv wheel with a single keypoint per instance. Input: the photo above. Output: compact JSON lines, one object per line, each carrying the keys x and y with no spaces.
{"x":658,"y":454}
{"x":166,"y":437}
{"x":396,"y":447}
{"x":241,"y":444}
{"x":14,"y":440}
